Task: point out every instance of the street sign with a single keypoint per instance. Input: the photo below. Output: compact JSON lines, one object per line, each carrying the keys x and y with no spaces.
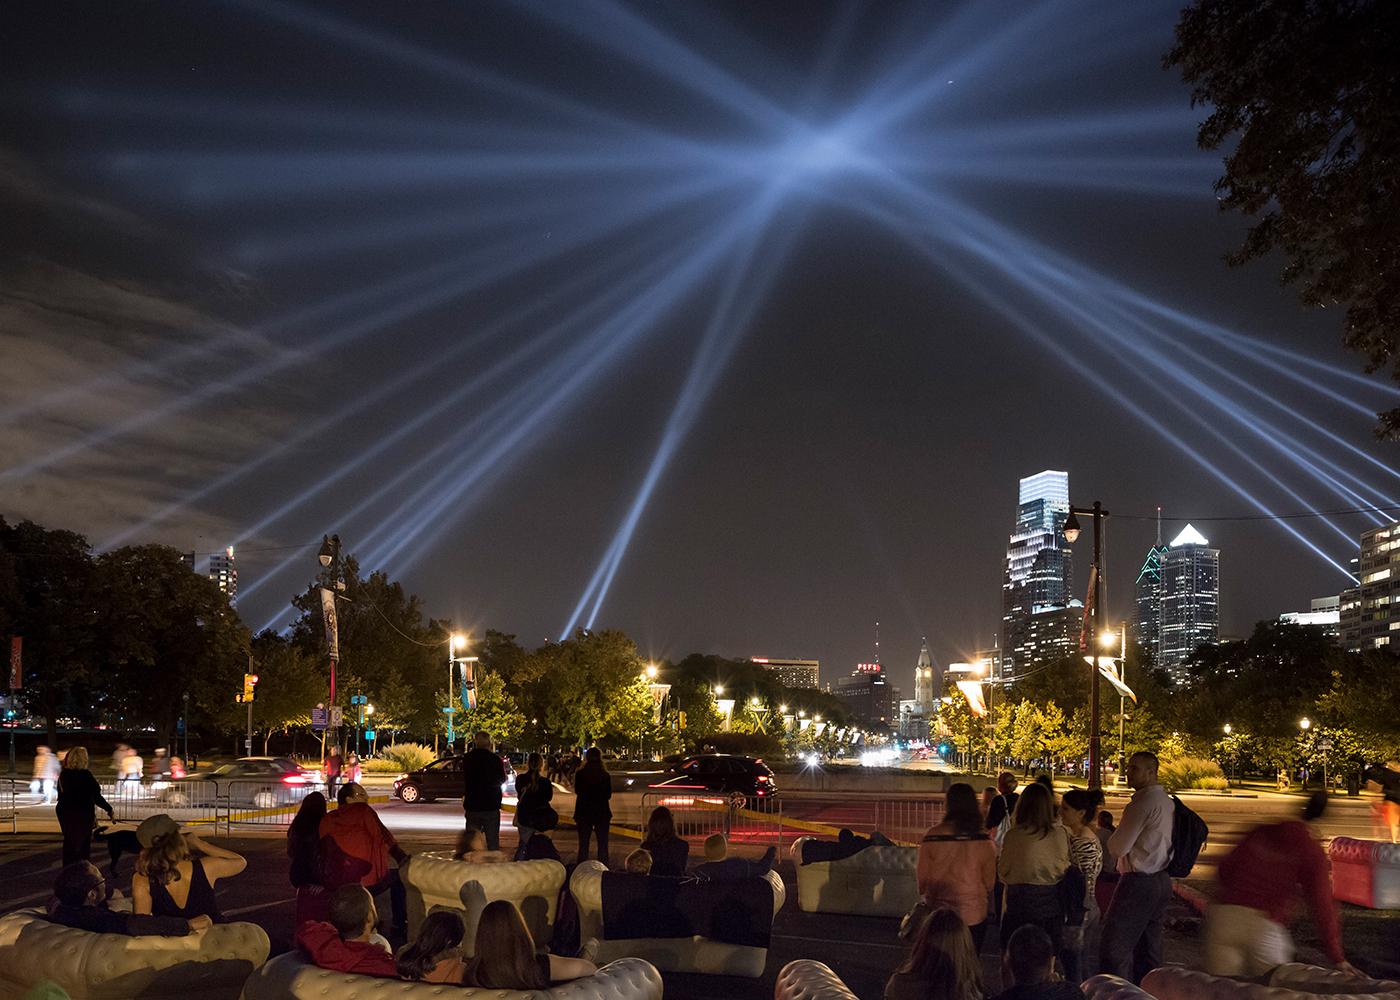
{"x":320,"y":718}
{"x":337,"y":716}
{"x":369,"y":734}
{"x":1324,"y":744}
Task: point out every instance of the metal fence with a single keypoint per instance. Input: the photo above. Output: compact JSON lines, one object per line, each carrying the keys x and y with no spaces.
{"x":698,"y":815}
{"x":234,"y":802}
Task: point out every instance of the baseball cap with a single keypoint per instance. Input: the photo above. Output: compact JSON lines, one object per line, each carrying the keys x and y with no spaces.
{"x":155,"y":827}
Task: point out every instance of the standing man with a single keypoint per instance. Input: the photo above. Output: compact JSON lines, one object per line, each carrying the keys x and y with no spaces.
{"x":1132,"y":927}
{"x":483,"y":774}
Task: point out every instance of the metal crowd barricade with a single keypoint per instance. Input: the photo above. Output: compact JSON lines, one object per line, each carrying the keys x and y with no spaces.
{"x":7,"y":804}
{"x":905,"y":821}
{"x":260,"y":802}
{"x":186,"y":802}
{"x":699,"y":814}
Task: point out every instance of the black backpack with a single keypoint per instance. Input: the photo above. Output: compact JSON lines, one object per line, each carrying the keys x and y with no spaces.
{"x":1189,"y":833}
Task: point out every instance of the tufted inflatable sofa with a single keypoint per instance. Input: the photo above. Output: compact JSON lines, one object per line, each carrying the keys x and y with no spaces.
{"x":1112,"y":988}
{"x":877,"y":882}
{"x":1287,"y":982}
{"x":212,"y":965}
{"x":291,"y":977}
{"x":806,"y":979}
{"x":1366,"y":872}
{"x":436,"y":882}
{"x":681,"y":954}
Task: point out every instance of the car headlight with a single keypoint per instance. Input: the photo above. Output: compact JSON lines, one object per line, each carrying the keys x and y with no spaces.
{"x":402,"y":777}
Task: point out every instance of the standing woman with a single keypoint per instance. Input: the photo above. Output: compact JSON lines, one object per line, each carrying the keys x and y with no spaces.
{"x":1086,"y":853}
{"x":1034,"y":857}
{"x":532,"y":791}
{"x":958,"y":864}
{"x":78,"y":799}
{"x":592,"y":788}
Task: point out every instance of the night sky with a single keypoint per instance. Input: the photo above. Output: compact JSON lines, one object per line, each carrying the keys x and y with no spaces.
{"x":730,"y":325}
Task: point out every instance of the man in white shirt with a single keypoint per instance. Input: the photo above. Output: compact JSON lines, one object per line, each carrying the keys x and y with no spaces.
{"x":1132,"y":928}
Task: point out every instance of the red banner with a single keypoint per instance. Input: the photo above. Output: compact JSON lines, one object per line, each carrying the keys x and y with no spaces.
{"x":16,"y":673}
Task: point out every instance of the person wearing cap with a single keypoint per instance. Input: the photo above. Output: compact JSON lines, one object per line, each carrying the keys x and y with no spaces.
{"x":170,"y":883}
{"x":80,"y":900}
{"x":356,"y":848}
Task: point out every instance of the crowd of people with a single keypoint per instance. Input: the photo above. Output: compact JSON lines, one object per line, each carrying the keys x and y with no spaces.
{"x":1068,"y":892}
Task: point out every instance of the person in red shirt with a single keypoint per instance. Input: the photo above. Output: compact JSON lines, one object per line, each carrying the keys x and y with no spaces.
{"x":346,"y":944}
{"x":1246,"y":931}
{"x":355,"y":850}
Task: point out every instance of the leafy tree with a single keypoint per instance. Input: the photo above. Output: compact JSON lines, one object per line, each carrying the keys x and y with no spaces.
{"x":290,"y":685}
{"x":166,"y":630}
{"x":47,"y":583}
{"x":495,"y":712}
{"x":1310,"y":93}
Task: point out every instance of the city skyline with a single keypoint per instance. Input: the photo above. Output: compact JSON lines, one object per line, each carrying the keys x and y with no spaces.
{"x":727,"y":325}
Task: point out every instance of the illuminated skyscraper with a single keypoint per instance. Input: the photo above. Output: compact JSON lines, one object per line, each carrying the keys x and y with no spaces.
{"x":1148,"y":627}
{"x":220,"y":569}
{"x":1038,"y":621}
{"x":1190,"y":600}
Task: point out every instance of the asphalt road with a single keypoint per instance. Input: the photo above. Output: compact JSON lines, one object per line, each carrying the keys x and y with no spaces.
{"x":862,"y":951}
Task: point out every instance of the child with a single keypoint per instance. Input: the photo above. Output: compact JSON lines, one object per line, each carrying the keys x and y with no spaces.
{"x":639,"y":862}
{"x":436,"y":957}
{"x":471,"y":847}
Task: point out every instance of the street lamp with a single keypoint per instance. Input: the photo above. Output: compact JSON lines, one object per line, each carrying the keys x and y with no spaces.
{"x":1234,"y":757}
{"x":329,"y":557}
{"x":1071,"y":530}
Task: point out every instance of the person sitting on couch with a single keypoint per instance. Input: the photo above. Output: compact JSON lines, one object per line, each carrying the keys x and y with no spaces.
{"x":436,"y":956}
{"x":348,"y":942}
{"x":639,"y":862}
{"x":471,"y":848}
{"x":506,"y":958}
{"x":669,"y":853}
{"x":1028,"y":968}
{"x":718,"y":864}
{"x":80,"y":900}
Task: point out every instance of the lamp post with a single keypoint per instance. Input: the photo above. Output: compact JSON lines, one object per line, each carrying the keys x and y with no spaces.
{"x":1234,"y":757}
{"x":1093,"y":627}
{"x":455,"y":642}
{"x":329,"y":557}
{"x":1305,"y":724}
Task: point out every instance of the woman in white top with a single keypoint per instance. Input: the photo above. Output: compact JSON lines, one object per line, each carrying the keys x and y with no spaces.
{"x":1081,"y":949}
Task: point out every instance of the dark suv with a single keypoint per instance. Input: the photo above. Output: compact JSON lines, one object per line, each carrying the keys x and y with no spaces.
{"x":442,"y":779}
{"x":740,"y":780}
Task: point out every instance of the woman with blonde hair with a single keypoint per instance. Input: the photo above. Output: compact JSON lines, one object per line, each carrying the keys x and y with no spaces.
{"x":1034,"y":857}
{"x":78,"y":798}
{"x":170,"y":883}
{"x":506,"y":958}
{"x":943,"y":964}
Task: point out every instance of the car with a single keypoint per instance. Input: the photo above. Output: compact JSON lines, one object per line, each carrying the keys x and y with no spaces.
{"x":259,"y":782}
{"x":742,"y":781}
{"x":442,"y":779}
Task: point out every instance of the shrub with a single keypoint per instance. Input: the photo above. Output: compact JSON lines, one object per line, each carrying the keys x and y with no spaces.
{"x":381,"y":765}
{"x":1191,"y":772}
{"x":405,"y":757}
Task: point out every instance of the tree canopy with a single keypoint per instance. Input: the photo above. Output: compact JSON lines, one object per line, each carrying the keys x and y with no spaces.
{"x":1309,"y":90}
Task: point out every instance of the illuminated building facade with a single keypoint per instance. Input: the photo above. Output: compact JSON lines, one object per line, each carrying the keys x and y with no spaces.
{"x":792,"y":673}
{"x":916,"y":713}
{"x":1190,"y":600}
{"x":220,"y":569}
{"x":1367,"y":613}
{"x":1147,"y":629}
{"x":869,"y":695}
{"x":1038,"y":578}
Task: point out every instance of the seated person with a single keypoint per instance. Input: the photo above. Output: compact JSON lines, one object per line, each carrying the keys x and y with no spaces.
{"x":942,"y":963}
{"x":80,"y":900}
{"x":506,"y":958}
{"x":356,"y":848}
{"x":718,"y":864}
{"x":639,"y":862}
{"x":669,"y":853}
{"x":436,"y":957}
{"x":168,"y":882}
{"x":471,"y":848}
{"x":540,"y":846}
{"x":1028,"y":969}
{"x":347,"y":943}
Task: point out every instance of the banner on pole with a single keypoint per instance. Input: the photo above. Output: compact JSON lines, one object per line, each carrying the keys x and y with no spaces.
{"x":16,"y":671}
{"x":973,"y":692}
{"x":658,"y":697}
{"x":328,"y":615}
{"x":469,"y":685}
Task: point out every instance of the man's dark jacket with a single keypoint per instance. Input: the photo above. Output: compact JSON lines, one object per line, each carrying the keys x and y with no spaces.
{"x":483,"y":774}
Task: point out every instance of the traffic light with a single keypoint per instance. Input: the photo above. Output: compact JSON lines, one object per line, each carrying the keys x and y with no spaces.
{"x":250,"y":683}
{"x":682,"y":720}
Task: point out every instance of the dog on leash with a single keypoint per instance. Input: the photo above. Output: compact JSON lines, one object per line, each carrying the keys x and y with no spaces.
{"x":119,"y":842}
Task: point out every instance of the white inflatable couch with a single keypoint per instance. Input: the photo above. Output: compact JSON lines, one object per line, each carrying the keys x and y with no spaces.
{"x":669,"y":954}
{"x":436,"y":882}
{"x":805,"y":979}
{"x":291,"y":977}
{"x":1294,"y":981}
{"x":876,"y":882}
{"x":211,"y":966}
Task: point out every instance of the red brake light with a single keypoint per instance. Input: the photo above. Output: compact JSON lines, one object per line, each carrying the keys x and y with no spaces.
{"x":293,"y":779}
{"x":762,"y":777}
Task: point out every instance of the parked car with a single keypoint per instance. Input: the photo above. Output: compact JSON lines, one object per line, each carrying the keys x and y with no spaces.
{"x":257,"y":782}
{"x":442,"y":779}
{"x":740,"y":780}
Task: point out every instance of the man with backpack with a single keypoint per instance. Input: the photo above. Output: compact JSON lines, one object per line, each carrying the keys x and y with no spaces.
{"x":1131,"y":946}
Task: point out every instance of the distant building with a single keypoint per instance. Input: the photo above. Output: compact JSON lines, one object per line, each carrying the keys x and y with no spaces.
{"x":1147,"y":628}
{"x":792,"y":673}
{"x":1190,"y":600}
{"x":872,"y":700}
{"x":219,"y":568}
{"x":916,"y":713}
{"x":1366,"y":614}
{"x":1038,"y":575}
{"x":1325,"y":611}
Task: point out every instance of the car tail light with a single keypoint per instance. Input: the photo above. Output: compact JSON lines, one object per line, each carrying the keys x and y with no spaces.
{"x":762,"y":777}
{"x":293,"y":779}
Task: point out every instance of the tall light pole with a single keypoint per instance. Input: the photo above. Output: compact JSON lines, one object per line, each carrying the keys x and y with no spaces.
{"x":1305,"y":724}
{"x":1092,"y":628}
{"x":1234,"y":756}
{"x":329,"y":557}
{"x":454,"y":643}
